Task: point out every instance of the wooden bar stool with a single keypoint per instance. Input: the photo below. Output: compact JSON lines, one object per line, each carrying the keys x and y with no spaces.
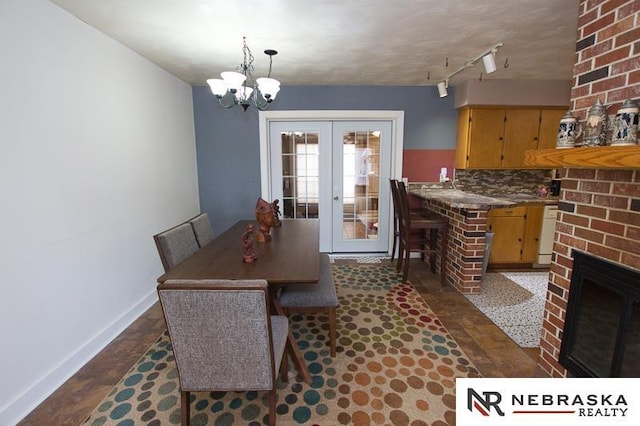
{"x":420,"y":234}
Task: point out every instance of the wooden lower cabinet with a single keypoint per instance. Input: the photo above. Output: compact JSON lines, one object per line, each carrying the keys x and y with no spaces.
{"x":516,"y":233}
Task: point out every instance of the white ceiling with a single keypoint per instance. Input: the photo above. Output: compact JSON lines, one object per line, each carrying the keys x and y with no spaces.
{"x":343,"y":42}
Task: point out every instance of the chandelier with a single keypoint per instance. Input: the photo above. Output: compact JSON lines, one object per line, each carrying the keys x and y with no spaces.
{"x":240,"y":88}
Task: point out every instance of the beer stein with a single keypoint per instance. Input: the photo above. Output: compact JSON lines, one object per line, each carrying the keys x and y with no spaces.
{"x":625,"y":125}
{"x":568,"y":132}
{"x":596,"y":125}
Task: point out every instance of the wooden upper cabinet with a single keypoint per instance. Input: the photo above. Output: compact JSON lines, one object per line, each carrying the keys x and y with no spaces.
{"x":486,"y":138}
{"x":549,"y":124}
{"x":497,"y":138}
{"x":520,"y":134}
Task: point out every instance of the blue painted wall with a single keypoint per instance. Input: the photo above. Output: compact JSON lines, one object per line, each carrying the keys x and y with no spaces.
{"x":227,"y":141}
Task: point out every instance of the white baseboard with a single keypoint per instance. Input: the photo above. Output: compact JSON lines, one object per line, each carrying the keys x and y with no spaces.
{"x":15,"y":411}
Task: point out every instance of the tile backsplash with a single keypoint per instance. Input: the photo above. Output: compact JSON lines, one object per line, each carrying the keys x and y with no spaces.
{"x":494,"y":182}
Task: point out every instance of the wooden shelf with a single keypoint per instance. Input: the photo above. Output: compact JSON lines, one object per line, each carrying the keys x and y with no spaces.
{"x":603,"y":157}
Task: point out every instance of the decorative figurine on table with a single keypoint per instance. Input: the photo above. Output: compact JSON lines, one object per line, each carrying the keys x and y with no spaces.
{"x":276,"y":212}
{"x":266,"y":219}
{"x":248,"y":249}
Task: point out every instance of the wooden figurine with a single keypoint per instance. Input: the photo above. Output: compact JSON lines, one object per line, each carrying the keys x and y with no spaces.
{"x":266,"y":219}
{"x":276,"y":212}
{"x":248,"y":249}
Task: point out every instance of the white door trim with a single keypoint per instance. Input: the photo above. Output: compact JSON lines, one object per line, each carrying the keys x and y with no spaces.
{"x":397,"y":131}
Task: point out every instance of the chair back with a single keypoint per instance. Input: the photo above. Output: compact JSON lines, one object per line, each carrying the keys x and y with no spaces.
{"x":175,"y":245}
{"x":202,"y":229}
{"x":404,"y":218}
{"x":221,"y":333}
{"x":396,"y":201}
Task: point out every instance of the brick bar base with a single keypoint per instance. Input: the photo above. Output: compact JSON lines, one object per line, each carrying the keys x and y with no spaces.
{"x":465,"y":248}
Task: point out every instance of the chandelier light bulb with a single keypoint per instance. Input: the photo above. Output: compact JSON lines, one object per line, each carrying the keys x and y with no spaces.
{"x":218,"y":87}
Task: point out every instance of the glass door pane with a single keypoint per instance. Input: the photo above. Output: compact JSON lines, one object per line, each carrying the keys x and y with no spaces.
{"x":360,"y":179}
{"x":300,"y":175}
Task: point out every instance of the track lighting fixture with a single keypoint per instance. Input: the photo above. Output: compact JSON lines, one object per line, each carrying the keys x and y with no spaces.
{"x":488,"y":60}
{"x":442,"y":88}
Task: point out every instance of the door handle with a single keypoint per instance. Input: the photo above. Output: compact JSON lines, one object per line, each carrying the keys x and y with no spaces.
{"x":336,"y":198}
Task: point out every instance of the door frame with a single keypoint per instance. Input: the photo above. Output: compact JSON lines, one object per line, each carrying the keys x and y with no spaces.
{"x":397,"y":143}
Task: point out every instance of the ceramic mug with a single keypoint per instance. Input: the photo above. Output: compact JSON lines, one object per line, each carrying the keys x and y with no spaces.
{"x":568,"y":132}
{"x":625,"y":125}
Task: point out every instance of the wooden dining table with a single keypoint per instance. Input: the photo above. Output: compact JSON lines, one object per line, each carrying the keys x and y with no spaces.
{"x":290,"y":257}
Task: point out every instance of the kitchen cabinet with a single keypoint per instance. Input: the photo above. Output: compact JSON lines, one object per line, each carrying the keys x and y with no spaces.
{"x":516,"y":234}
{"x":498,"y":137}
{"x":549,"y":124}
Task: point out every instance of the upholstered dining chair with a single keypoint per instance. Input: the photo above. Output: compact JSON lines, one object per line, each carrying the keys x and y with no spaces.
{"x":319,"y":297}
{"x":175,"y":245}
{"x":224,"y":338}
{"x":202,"y":229}
{"x":420,"y":234}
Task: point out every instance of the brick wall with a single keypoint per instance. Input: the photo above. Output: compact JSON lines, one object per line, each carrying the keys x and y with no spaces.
{"x":599,"y":209}
{"x":467,"y":229}
{"x":607,"y":55}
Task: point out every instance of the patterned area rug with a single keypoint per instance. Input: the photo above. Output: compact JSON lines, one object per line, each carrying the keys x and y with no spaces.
{"x":514,"y":301}
{"x":396,"y":364}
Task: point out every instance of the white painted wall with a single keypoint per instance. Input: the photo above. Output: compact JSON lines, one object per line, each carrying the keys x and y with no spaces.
{"x":97,"y":154}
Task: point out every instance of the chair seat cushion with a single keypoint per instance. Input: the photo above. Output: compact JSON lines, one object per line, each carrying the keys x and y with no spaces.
{"x":323,"y":293}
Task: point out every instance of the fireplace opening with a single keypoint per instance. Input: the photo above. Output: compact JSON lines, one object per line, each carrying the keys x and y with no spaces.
{"x":601,"y":336}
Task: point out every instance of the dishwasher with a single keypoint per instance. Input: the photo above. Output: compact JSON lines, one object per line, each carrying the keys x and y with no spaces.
{"x":546,"y":234}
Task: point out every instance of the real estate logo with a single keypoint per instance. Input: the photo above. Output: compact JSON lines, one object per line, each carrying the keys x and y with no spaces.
{"x":484,"y":404}
{"x":554,"y":401}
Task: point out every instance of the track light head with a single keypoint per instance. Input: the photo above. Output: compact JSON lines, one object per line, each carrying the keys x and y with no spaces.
{"x":442,"y":89}
{"x":489,"y":62}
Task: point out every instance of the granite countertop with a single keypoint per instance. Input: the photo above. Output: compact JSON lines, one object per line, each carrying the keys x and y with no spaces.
{"x":465,"y":200}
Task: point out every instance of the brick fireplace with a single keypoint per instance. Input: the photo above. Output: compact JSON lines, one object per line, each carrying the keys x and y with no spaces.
{"x":599,"y":208}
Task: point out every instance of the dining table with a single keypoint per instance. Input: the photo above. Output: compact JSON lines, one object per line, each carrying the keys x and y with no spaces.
{"x":291,"y":256}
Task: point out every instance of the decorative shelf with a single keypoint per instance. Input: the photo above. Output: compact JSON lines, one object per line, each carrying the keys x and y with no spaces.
{"x":603,"y":157}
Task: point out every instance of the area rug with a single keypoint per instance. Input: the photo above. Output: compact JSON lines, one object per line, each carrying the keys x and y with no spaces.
{"x":514,"y":301}
{"x":396,"y":364}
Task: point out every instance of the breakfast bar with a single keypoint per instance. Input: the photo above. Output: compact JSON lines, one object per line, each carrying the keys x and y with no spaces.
{"x":467,"y":216}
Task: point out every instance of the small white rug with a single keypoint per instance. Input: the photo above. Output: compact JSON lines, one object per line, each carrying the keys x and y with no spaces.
{"x":360,"y":258}
{"x":514,"y":301}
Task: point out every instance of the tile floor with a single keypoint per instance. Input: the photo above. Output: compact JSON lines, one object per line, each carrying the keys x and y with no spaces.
{"x":492,"y":352}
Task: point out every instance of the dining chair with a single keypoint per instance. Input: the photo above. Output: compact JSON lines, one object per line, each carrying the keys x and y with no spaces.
{"x":415,"y":209}
{"x":420,"y":234}
{"x":175,"y":245}
{"x":319,"y":297}
{"x":224,"y":338}
{"x":202,"y":229}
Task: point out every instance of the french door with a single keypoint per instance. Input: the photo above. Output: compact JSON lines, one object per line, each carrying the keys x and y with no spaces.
{"x":337,"y":171}
{"x":361,"y":165}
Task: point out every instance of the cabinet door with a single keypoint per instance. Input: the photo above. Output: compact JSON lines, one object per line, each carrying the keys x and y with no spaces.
{"x":531,"y":242}
{"x":462,"y":138}
{"x":520,"y":135}
{"x":486,"y":139}
{"x":508,"y":233}
{"x":549,"y":124}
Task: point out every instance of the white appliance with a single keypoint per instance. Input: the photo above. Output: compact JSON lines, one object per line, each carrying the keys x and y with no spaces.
{"x":546,"y":234}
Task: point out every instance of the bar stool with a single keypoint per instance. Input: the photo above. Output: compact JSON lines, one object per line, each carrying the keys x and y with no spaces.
{"x":416,"y":211}
{"x":425,"y":241}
